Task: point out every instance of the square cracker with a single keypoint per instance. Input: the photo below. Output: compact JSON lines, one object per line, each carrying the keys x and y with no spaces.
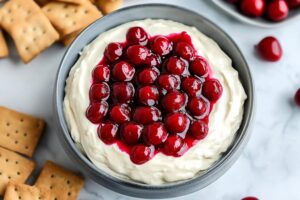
{"x":108,"y":6}
{"x":13,"y":167}
{"x":71,"y":37}
{"x":3,"y":46}
{"x":19,"y":132}
{"x":30,"y":29}
{"x":68,"y":18}
{"x":21,"y":191}
{"x":63,"y":184}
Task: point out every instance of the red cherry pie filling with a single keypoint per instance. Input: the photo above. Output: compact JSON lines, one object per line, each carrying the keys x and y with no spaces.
{"x":152,"y":94}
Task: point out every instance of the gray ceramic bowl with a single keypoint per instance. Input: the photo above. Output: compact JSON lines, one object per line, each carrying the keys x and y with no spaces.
{"x":160,"y":12}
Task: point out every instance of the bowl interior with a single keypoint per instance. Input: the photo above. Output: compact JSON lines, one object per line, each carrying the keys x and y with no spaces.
{"x":154,"y":11}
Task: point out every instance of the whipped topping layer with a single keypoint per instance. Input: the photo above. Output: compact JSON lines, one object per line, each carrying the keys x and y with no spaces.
{"x":225,"y":118}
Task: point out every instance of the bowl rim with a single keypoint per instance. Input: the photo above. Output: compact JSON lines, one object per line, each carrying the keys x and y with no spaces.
{"x":154,"y":191}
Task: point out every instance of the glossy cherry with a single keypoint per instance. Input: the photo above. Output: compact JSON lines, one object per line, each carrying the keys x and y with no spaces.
{"x":107,"y":132}
{"x":176,"y":122}
{"x":173,"y":101}
{"x":161,"y":45}
{"x":131,"y":132}
{"x":168,"y":82}
{"x":99,"y":91}
{"x":123,"y":71}
{"x":198,"y":129}
{"x":101,"y":73}
{"x":293,"y":3}
{"x":141,"y":153}
{"x":249,"y":198}
{"x":97,"y":111}
{"x":199,"y":66}
{"x":113,"y":51}
{"x":212,"y":89}
{"x":119,"y":113}
{"x":270,"y":49}
{"x":122,"y":92}
{"x":297,"y":97}
{"x":172,"y":145}
{"x":137,"y":54}
{"x":198,"y":107}
{"x":152,"y":60}
{"x":176,"y":65}
{"x":148,"y":95}
{"x":155,"y":133}
{"x":148,"y":76}
{"x":252,"y":8}
{"x":185,"y":51}
{"x":146,"y":114}
{"x":137,"y":35}
{"x":192,"y":86}
{"x":277,"y":10}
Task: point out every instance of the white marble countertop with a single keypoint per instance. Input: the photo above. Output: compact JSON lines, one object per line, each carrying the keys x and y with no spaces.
{"x":269,"y":168}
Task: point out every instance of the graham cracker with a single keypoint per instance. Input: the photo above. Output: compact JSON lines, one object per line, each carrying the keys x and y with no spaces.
{"x":62,"y":183}
{"x":108,"y":6}
{"x":21,"y":191}
{"x":4,"y":52}
{"x":19,"y":132}
{"x":13,"y":167}
{"x":68,"y":18}
{"x":30,"y":29}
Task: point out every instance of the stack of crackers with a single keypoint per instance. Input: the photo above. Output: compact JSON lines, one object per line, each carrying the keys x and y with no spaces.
{"x":34,"y":25}
{"x":19,"y":136}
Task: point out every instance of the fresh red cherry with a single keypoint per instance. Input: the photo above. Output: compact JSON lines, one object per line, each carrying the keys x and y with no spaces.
{"x":122,"y":92}
{"x":249,"y":198}
{"x":175,"y":65}
{"x":270,"y":49}
{"x":99,"y":91}
{"x":297,"y":97}
{"x":155,"y":133}
{"x":131,"y":132}
{"x":212,"y":89}
{"x":137,"y":54}
{"x":97,"y":111}
{"x":252,"y":8}
{"x":172,"y":145}
{"x":198,"y":107}
{"x":107,"y":132}
{"x":137,"y":35}
{"x":168,"y":82}
{"x":101,"y":73}
{"x":293,"y":3}
{"x":120,"y":113}
{"x":192,"y":86}
{"x":148,"y":76}
{"x":123,"y":71}
{"x":185,"y":51}
{"x":146,"y":114}
{"x":173,"y":101}
{"x":152,"y":60}
{"x":161,"y":45}
{"x":277,"y":10}
{"x":177,"y":122}
{"x":198,"y":129}
{"x":148,"y":95}
{"x":113,"y":51}
{"x":140,"y":154}
{"x":199,"y":66}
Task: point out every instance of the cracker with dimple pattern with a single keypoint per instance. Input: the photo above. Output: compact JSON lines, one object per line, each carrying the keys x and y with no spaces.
{"x":3,"y":46}
{"x":19,"y":132}
{"x":68,"y":18}
{"x":30,"y":29}
{"x":63,"y":184}
{"x":21,"y":191}
{"x":108,"y":6}
{"x":13,"y":167}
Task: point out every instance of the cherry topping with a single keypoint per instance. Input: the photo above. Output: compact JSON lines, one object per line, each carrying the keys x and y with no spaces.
{"x":252,"y":8}
{"x":148,"y":76}
{"x":101,"y":73}
{"x":146,"y":114}
{"x":293,"y":3}
{"x":198,"y":107}
{"x":277,"y":10}
{"x":99,"y":91}
{"x":297,"y":97}
{"x":123,"y":71}
{"x":152,"y":60}
{"x":185,"y":50}
{"x":173,"y":101}
{"x":172,"y":145}
{"x":192,"y":86}
{"x":113,"y":51}
{"x":249,"y":198}
{"x":176,"y":122}
{"x":212,"y":89}
{"x":107,"y":132}
{"x":120,"y":113}
{"x":168,"y":82}
{"x":148,"y":95}
{"x":199,"y":66}
{"x":122,"y":92}
{"x":155,"y":133}
{"x":161,"y":45}
{"x":199,"y":129}
{"x":175,"y":65}
{"x":131,"y":132}
{"x":137,"y":54}
{"x":270,"y":49}
{"x":140,"y":154}
{"x":137,"y":35}
{"x":97,"y":111}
